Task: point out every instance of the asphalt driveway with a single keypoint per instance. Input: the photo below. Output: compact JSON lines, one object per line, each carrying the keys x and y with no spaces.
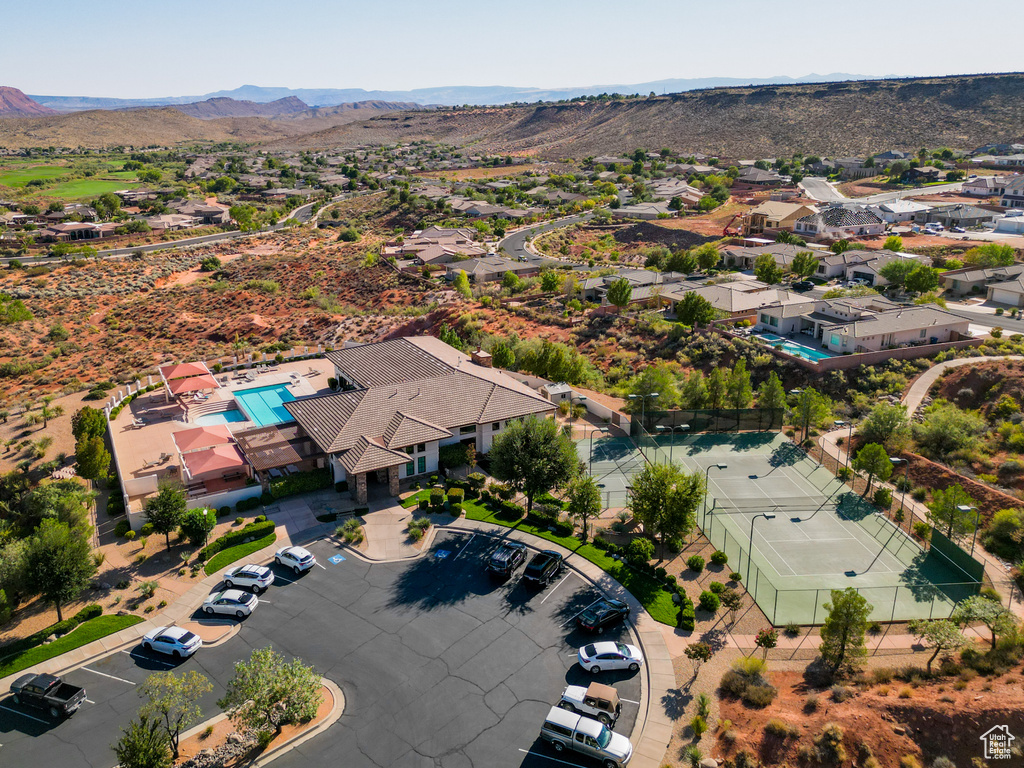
{"x":440,"y":665}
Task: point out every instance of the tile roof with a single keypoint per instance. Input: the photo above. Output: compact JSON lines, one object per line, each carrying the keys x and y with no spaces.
{"x":275,"y":446}
{"x":902,"y":319}
{"x":368,"y":455}
{"x":408,"y":430}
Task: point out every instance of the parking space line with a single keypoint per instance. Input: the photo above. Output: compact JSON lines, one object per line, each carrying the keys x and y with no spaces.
{"x":321,"y":566}
{"x":286,"y":581}
{"x":546,"y":757}
{"x":552,"y":590}
{"x":143,"y":658}
{"x":464,"y":547}
{"x":570,"y":621}
{"x":630,"y":701}
{"x":89,"y":701}
{"x":112,"y":677}
{"x":24,"y":714}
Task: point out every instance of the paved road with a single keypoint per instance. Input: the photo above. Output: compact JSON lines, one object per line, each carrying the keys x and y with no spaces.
{"x":821,"y":190}
{"x":514,"y":245}
{"x":989,"y":320}
{"x":439,"y":666}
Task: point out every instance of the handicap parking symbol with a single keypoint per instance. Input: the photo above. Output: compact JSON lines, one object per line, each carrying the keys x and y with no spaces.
{"x":441,"y":554}
{"x":337,"y":559}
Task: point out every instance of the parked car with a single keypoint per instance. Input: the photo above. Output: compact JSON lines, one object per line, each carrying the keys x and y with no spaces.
{"x":49,"y":693}
{"x":609,"y":655}
{"x":250,"y":576}
{"x":596,"y":700}
{"x":604,"y":613}
{"x":566,"y":730}
{"x":544,"y":568}
{"x":961,"y":230}
{"x":174,"y":641}
{"x":296,"y":558}
{"x":234,"y":602}
{"x":803,"y":285}
{"x":506,"y":559}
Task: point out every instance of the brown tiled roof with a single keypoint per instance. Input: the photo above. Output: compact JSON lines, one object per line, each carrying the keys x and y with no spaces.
{"x":368,"y":455}
{"x":387,"y":362}
{"x":275,"y":446}
{"x":408,"y":430}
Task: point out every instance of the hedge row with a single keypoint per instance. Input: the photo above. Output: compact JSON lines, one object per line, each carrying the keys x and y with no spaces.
{"x":233,"y":538}
{"x":301,"y":482}
{"x":90,"y":611}
{"x":687,"y":615}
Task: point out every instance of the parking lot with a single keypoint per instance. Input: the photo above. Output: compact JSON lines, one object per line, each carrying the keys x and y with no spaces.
{"x":439,"y":665}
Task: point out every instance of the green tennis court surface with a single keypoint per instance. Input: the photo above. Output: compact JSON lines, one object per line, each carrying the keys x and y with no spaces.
{"x":817,"y":536}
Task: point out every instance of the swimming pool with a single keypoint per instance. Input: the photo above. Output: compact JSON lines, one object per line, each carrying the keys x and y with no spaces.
{"x":222,"y":417}
{"x":797,"y":350}
{"x":265,"y":405}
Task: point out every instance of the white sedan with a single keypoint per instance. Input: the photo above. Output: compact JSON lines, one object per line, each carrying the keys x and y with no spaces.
{"x":251,"y":576}
{"x":174,"y":641}
{"x":296,"y":558}
{"x":610,"y":655}
{"x":231,"y":601}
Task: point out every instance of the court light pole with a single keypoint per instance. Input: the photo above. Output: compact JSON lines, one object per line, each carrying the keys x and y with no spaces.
{"x":643,"y":405}
{"x":896,"y":461}
{"x":671,"y":446}
{"x":849,"y":439}
{"x":599,"y":429}
{"x":965,"y":508}
{"x":573,"y":401}
{"x":750,"y":546}
{"x":707,"y":472}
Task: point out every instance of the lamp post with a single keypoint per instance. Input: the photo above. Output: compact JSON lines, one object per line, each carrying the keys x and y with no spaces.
{"x":572,"y":401}
{"x":672,"y":445}
{"x":707,"y":472}
{"x":599,"y":429}
{"x":896,"y":461}
{"x":849,"y":439}
{"x":750,"y":546}
{"x":643,"y":405}
{"x":965,"y":508}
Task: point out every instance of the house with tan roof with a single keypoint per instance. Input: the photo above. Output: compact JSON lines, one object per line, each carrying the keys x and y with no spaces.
{"x":404,"y":399}
{"x":773,"y":214}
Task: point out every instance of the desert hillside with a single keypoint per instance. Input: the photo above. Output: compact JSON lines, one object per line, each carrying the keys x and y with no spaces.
{"x":14,"y":103}
{"x":836,"y":118}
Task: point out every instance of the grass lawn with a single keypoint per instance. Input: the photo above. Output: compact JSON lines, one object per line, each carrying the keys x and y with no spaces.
{"x":230,"y":555}
{"x":126,"y":175}
{"x":19,"y":177}
{"x":648,"y":591}
{"x":85,"y":633}
{"x":92,"y":187}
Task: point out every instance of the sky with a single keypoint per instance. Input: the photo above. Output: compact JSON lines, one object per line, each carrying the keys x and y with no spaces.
{"x":192,"y":47}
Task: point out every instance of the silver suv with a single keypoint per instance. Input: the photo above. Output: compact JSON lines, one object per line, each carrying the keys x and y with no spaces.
{"x":566,"y":730}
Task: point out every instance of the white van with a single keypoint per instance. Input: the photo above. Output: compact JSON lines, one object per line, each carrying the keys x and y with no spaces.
{"x":567,"y":730}
{"x":933,"y":227}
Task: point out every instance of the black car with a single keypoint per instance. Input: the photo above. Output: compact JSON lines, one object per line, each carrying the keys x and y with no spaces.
{"x":506,"y":559}
{"x":47,"y":692}
{"x":603,"y":613}
{"x":543,"y":568}
{"x":803,"y":285}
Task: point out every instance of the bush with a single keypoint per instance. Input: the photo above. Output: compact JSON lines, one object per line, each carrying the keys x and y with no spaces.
{"x":792,"y":629}
{"x":909,"y":761}
{"x":476,"y":480}
{"x":736,"y":576}
{"x":247,"y":505}
{"x":146,"y":530}
{"x":456,"y":495}
{"x":718,"y":557}
{"x":436,"y":498}
{"x":883,"y":498}
{"x":224,"y":511}
{"x":233,"y":538}
{"x":759,"y":696}
{"x":717,"y":587}
{"x":129,"y":535}
{"x":300,"y":482}
{"x":777,"y":728}
{"x":699,"y":726}
{"x":695,"y":563}
{"x":922,"y":530}
{"x":829,"y":745}
{"x":455,"y":455}
{"x":844,"y":474}
{"x":424,"y":503}
{"x":640,"y":550}
{"x":121,"y":528}
{"x":687,"y":615}
{"x":239,"y":520}
{"x":841,"y":693}
{"x":709,"y":602}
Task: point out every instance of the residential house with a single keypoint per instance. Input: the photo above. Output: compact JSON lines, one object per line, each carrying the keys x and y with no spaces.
{"x":404,"y":399}
{"x":74,"y":231}
{"x":776,"y":215}
{"x":208,"y":212}
{"x":1013,"y":193}
{"x":891,"y":156}
{"x":897,"y":211}
{"x":854,"y":167}
{"x":643,"y":211}
{"x":985,"y":186}
{"x":1012,"y":223}
{"x":1009,"y":292}
{"x":958,"y":215}
{"x":595,"y":289}
{"x":743,"y":257}
{"x":737,"y":298}
{"x":435,"y":245}
{"x":977,"y":280}
{"x":488,"y":269}
{"x":999,"y":149}
{"x":1016,"y":160}
{"x":839,"y":222}
{"x":923,"y":174}
{"x":171,"y":221}
{"x":759,"y":178}
{"x":870,"y":268}
{"x":667,"y":189}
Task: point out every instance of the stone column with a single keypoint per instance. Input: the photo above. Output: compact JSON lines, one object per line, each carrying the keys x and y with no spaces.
{"x":393,"y":481}
{"x":359,"y":490}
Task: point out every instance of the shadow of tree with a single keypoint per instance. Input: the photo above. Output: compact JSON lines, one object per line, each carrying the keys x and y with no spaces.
{"x":438,"y":580}
{"x":675,"y":701}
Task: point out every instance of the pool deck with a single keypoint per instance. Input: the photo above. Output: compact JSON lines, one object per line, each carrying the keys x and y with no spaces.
{"x":817,"y":352}
{"x":138,"y":449}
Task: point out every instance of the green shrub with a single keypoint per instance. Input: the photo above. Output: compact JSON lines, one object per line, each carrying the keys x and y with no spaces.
{"x":640,"y":550}
{"x":247,"y":505}
{"x":883,"y":498}
{"x":122,"y":527}
{"x":129,"y":535}
{"x":260,"y":519}
{"x":709,"y":602}
{"x":695,"y":563}
{"x":224,"y":511}
{"x":777,"y":728}
{"x":829,"y":745}
{"x":300,"y":482}
{"x":792,"y":629}
{"x":424,"y":503}
{"x":717,"y":587}
{"x":718,"y":557}
{"x":436,"y":498}
{"x":239,"y":520}
{"x":476,"y":480}
{"x":687,"y":615}
{"x":735,"y":576}
{"x":146,"y":530}
{"x":922,"y":530}
{"x":456,"y":495}
{"x":351,"y":531}
{"x":233,"y":538}
{"x":455,"y":455}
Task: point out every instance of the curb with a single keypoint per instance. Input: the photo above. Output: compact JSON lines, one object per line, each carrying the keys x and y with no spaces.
{"x":295,"y":741}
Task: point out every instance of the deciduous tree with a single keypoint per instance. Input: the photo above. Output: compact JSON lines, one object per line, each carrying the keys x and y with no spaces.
{"x":873,"y":461}
{"x":59,"y":563}
{"x":991,"y":613}
{"x":804,"y":264}
{"x":143,"y":744}
{"x":944,"y":510}
{"x":694,"y":309}
{"x":173,"y":702}
{"x":619,"y":293}
{"x":887,"y":424}
{"x":708,"y":256}
{"x":196,"y":525}
{"x":268,"y":692}
{"x":461,"y":284}
{"x":766,"y":270}
{"x":88,"y":422}
{"x":166,"y":510}
{"x":716,"y":383}
{"x":93,"y":458}
{"x":664,"y":499}
{"x":534,"y":456}
{"x":584,"y":501}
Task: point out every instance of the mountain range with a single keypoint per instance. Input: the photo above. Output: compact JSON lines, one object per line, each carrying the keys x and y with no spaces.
{"x":446,"y":95}
{"x":14,"y":103}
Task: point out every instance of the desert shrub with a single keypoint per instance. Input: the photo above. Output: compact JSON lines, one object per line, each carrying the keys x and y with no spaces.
{"x":829,"y":745}
{"x":841,"y":693}
{"x":699,"y":726}
{"x":747,"y":680}
{"x":759,"y":696}
{"x":792,"y":629}
{"x":922,"y":530}
{"x":146,"y":530}
{"x":909,"y":761}
{"x":695,"y":563}
{"x":881,"y":676}
{"x":351,"y":531}
{"x":718,"y":557}
{"x":129,"y":535}
{"x":943,"y":762}
{"x":693,"y":755}
{"x":811,"y":703}
{"x":882,"y":498}
{"x":735,"y":576}
{"x":776,"y":727}
{"x":709,"y":602}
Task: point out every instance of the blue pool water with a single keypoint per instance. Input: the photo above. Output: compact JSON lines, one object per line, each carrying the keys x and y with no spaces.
{"x":265,"y":405}
{"x":224,"y":417}
{"x":797,"y":350}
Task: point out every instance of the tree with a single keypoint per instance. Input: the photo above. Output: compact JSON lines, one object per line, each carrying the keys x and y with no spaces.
{"x":893,"y":243}
{"x":771,"y":395}
{"x":707,"y":255}
{"x":196,"y":525}
{"x":143,"y":744}
{"x":990,"y":255}
{"x":210,"y":264}
{"x":812,"y":409}
{"x":619,"y":293}
{"x":511,"y":283}
{"x":448,"y":335}
{"x":897,"y":271}
{"x":694,"y":393}
{"x":804,"y":264}
{"x":732,"y":601}
{"x":502,"y":355}
{"x":268,"y":692}
{"x":88,"y":422}
{"x":842,"y":634}
{"x":738,"y":391}
{"x":841,"y":246}
{"x":66,"y":501}
{"x":698,"y":653}
{"x":166,"y":510}
{"x":93,"y":458}
{"x":461,"y":284}
{"x":923,"y":279}
{"x":584,"y":500}
{"x":655,"y":378}
{"x":173,"y":702}
{"x":664,"y":499}
{"x":766,"y":270}
{"x":684,"y":262}
{"x":873,"y":460}
{"x":944,"y":510}
{"x":991,"y":613}
{"x":886,"y":424}
{"x":693,"y":309}
{"x":947,"y":429}
{"x":766,"y":640}
{"x":941,"y":634}
{"x":59,"y":563}
{"x":534,"y":456}
{"x":716,"y":383}
{"x":549,"y":281}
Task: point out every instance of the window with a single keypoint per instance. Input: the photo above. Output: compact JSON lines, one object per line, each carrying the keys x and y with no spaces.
{"x":410,"y":450}
{"x":469,"y":429}
{"x":410,"y":469}
{"x":923,"y":331}
{"x":421,"y":448}
{"x":559,"y":729}
{"x":773,"y":321}
{"x":834,"y":340}
{"x":421,"y":463}
{"x":496,"y":426}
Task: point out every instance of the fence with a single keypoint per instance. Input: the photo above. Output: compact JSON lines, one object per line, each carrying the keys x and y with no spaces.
{"x":710,"y":420}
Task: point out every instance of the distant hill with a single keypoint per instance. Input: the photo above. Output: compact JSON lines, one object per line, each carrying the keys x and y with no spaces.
{"x":14,"y":103}
{"x":826,"y":118}
{"x":225,"y":107}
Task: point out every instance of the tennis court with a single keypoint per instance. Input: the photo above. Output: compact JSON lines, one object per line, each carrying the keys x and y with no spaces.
{"x":810,"y":532}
